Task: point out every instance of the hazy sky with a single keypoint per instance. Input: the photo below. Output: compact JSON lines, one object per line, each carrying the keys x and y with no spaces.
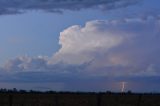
{"x":80,"y":45}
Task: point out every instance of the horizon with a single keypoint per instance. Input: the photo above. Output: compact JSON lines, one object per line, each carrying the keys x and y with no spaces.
{"x":15,"y":90}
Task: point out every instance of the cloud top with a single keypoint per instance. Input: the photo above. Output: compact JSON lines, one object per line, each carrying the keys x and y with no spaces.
{"x":81,"y":44}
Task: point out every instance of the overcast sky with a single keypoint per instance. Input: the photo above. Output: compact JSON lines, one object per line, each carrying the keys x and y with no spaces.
{"x":80,"y":45}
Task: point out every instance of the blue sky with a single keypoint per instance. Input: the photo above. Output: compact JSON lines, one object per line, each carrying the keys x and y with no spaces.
{"x":80,"y":45}
{"x":37,"y":33}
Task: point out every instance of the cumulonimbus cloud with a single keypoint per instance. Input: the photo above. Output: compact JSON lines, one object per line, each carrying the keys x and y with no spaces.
{"x":20,"y":6}
{"x":126,"y":47}
{"x":116,"y":47}
{"x":101,"y":53}
{"x":80,"y":44}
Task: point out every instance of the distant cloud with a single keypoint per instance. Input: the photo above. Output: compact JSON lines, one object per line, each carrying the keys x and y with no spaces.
{"x":126,"y":47}
{"x":21,"y":6}
{"x":100,"y":51}
{"x":81,"y":44}
{"x":23,"y":63}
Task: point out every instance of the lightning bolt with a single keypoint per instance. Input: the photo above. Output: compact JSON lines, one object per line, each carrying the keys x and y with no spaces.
{"x":123,"y":86}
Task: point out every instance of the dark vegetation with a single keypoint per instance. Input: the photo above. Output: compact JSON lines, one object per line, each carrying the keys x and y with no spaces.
{"x":50,"y":98}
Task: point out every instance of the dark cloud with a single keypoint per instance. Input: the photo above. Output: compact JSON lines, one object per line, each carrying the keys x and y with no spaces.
{"x":21,"y":6}
{"x":78,"y":82}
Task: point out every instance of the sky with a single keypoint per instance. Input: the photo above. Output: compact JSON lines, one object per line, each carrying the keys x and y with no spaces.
{"x":79,"y":45}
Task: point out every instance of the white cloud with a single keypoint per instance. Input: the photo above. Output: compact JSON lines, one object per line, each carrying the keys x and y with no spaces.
{"x":26,"y":63}
{"x":81,"y":44}
{"x":101,"y":48}
{"x":116,"y":47}
{"x":93,"y":57}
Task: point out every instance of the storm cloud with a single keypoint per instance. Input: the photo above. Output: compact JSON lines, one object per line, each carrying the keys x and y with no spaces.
{"x":112,"y":47}
{"x":21,"y":6}
{"x":100,"y":53}
{"x":127,"y":47}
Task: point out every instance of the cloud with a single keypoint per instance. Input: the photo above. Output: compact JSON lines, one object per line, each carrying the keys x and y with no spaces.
{"x":21,"y":6}
{"x":40,"y":64}
{"x":127,"y":47}
{"x":80,"y":44}
{"x":102,"y":51}
{"x":64,"y":82}
{"x":112,"y":47}
{"x":26,"y":63}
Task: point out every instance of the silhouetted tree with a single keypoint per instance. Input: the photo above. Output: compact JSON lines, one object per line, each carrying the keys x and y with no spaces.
{"x":22,"y":91}
{"x":15,"y":90}
{"x":129,"y":92}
